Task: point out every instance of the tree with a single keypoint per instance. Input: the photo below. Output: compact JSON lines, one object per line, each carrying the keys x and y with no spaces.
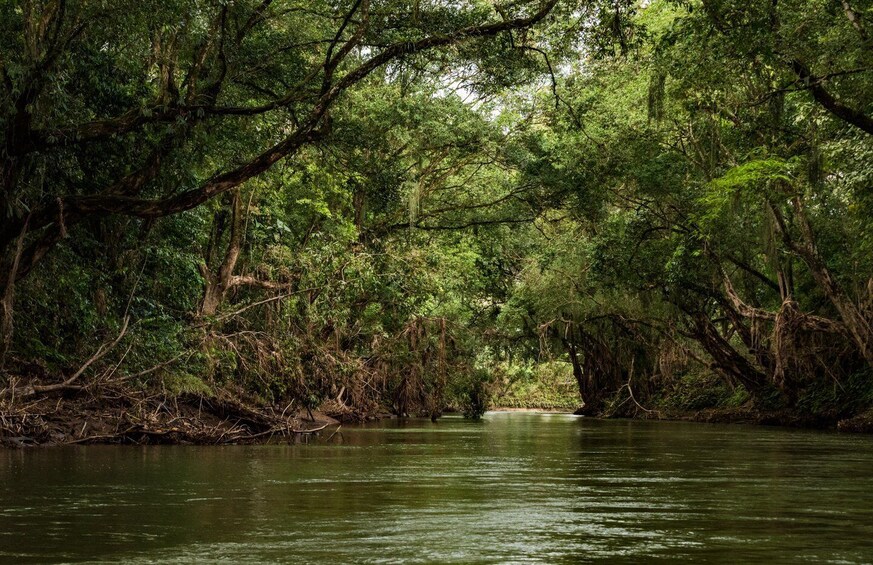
{"x":156,"y":130}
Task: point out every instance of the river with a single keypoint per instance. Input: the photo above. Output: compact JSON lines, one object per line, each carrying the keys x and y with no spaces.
{"x":514,"y":488}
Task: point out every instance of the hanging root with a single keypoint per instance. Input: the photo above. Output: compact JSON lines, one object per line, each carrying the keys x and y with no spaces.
{"x":802,"y":345}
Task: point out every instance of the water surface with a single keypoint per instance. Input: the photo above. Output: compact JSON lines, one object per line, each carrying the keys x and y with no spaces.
{"x":515,"y":488}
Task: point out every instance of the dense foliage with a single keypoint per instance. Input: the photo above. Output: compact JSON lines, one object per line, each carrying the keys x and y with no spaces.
{"x":411,"y":206}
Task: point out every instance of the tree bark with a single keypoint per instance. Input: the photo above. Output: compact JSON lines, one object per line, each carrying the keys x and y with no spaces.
{"x":852,"y":314}
{"x":726,"y":360}
{"x":829,"y":102}
{"x":124,"y":202}
{"x":597,"y":374}
{"x":7,"y":299}
{"x":577,"y":369}
{"x":217,"y":283}
{"x":856,"y":22}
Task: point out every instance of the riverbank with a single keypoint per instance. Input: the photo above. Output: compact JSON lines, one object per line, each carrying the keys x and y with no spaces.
{"x":125,"y":416}
{"x":116,"y":415}
{"x":425,"y":492}
{"x":859,"y":423}
{"x":862,"y":423}
{"x":705,"y":397}
{"x":220,"y":420}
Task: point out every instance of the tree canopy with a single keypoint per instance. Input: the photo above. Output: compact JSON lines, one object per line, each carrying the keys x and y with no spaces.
{"x":409,"y":205}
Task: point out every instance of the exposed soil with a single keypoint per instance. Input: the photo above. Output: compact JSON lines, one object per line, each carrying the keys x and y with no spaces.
{"x":124,"y":416}
{"x":861,"y":423}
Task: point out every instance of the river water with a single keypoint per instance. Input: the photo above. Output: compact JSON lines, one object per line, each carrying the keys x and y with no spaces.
{"x":514,"y":488}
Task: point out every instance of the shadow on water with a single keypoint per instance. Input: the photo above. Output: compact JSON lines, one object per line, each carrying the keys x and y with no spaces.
{"x":517,"y":487}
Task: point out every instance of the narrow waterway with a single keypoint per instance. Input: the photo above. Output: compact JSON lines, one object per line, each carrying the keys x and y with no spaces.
{"x":514,"y":488}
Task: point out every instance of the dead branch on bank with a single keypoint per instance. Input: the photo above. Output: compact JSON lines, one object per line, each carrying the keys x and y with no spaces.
{"x":68,"y":384}
{"x":131,"y":416}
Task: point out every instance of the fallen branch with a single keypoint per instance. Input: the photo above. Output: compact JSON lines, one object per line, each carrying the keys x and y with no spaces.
{"x":152,"y":369}
{"x":68,"y":384}
{"x":313,"y":430}
{"x":334,"y":433}
{"x":259,"y":303}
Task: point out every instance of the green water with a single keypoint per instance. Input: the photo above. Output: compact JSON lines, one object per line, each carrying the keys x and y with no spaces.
{"x":515,"y":488}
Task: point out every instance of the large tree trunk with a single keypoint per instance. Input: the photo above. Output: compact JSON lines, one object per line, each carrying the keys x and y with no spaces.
{"x":578,"y":374}
{"x":218,"y":281}
{"x":852,"y":313}
{"x":7,"y":298}
{"x":597,"y":374}
{"x":123,"y":198}
{"x":726,"y":359}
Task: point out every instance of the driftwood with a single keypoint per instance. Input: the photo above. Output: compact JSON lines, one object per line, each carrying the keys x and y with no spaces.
{"x":137,"y":417}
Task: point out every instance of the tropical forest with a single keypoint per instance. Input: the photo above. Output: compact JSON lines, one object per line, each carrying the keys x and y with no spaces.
{"x":386,"y":252}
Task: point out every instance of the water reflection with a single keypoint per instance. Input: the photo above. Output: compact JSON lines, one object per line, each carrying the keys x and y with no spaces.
{"x":517,"y":487}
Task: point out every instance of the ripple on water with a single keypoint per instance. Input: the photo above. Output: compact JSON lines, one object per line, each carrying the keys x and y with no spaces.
{"x":516,"y":488}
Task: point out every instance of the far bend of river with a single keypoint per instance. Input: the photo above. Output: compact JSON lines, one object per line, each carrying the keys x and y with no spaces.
{"x":514,"y":488}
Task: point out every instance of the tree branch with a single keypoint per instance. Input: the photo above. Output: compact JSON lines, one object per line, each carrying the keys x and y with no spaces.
{"x":829,"y":102}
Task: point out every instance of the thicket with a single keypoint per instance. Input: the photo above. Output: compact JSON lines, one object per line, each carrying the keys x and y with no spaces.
{"x":404,"y":206}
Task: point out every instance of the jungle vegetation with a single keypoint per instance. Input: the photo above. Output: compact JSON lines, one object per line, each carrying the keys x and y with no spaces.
{"x":408,"y":206}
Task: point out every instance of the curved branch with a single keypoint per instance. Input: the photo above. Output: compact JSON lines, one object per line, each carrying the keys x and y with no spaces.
{"x":68,"y":383}
{"x":122,"y":204}
{"x":829,"y":102}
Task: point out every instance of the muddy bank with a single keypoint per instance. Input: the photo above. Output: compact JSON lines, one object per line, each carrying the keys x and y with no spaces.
{"x":861,"y":423}
{"x":124,"y":416}
{"x":135,"y":417}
